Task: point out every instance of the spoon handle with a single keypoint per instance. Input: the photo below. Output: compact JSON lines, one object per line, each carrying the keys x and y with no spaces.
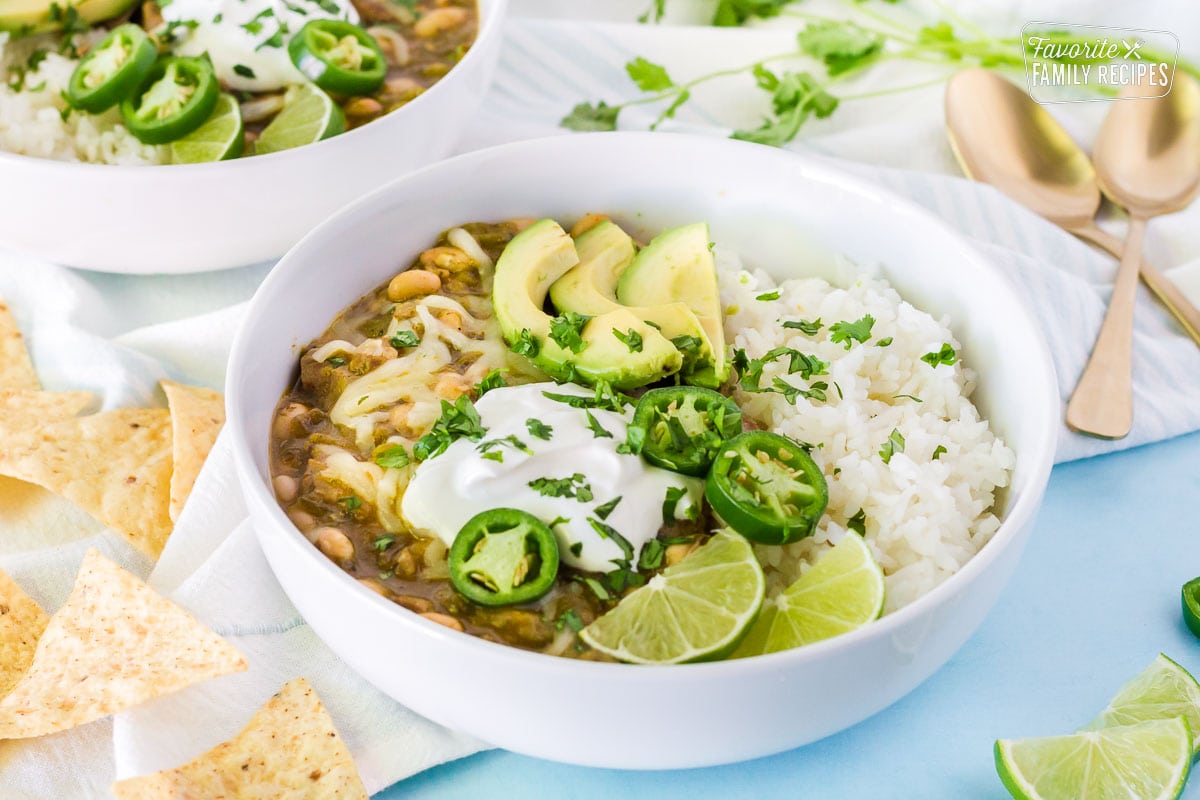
{"x":1102,"y":404}
{"x":1176,"y":302}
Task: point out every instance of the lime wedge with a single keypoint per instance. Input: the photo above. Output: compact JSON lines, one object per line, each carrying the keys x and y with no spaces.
{"x":1191,"y":605}
{"x":696,"y":610}
{"x":309,"y":116}
{"x":841,"y":592}
{"x":1147,"y":761}
{"x":220,"y":137}
{"x":1163,"y":690}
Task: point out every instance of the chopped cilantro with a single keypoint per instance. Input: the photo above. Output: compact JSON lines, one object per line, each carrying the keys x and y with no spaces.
{"x":526,"y":344}
{"x":602,"y":511}
{"x":858,"y":523}
{"x":575,"y":486}
{"x":538,"y":428}
{"x":598,"y":430}
{"x":609,"y":532}
{"x":244,"y":71}
{"x":805,"y":327}
{"x":350,"y":503}
{"x":631,"y":339}
{"x":383,"y":542}
{"x":597,"y":588}
{"x":493,"y":380}
{"x":652,"y":555}
{"x":671,"y":503}
{"x":849,"y":332}
{"x":884,"y":342}
{"x":404,"y":339}
{"x":937,"y":452}
{"x":489,"y":447}
{"x":894,"y":444}
{"x":393,"y":457}
{"x":945,"y":356}
{"x":604,"y":397}
{"x":686,"y":344}
{"x":566,"y":331}
{"x":766,"y":296}
{"x":336,"y":361}
{"x":570,"y":619}
{"x":576,"y":549}
{"x":494,"y":455}
{"x":457,"y":421}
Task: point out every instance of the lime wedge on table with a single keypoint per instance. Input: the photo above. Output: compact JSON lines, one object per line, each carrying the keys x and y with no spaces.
{"x":1147,"y":761}
{"x":220,"y":137}
{"x":1163,"y":690}
{"x":309,"y":116}
{"x":841,"y":592}
{"x":1191,"y":605}
{"x":695,"y":610}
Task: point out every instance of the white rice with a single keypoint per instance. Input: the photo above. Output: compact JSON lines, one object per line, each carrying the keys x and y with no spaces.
{"x":925,"y":518}
{"x":31,"y":118}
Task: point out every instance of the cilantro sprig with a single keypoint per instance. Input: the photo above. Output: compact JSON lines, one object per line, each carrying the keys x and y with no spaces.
{"x":839,"y":49}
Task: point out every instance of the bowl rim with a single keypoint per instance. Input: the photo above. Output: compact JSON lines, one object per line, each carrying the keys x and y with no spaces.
{"x":492,"y":14}
{"x":1040,"y":455}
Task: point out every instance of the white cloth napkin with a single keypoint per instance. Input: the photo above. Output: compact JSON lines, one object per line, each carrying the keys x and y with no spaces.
{"x":117,"y":336}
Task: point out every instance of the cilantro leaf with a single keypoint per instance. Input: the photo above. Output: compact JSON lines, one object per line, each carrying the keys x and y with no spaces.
{"x":894,"y":444}
{"x":648,"y":76}
{"x":598,"y":430}
{"x":767,"y":296}
{"x":404,"y":339}
{"x":589,"y":117}
{"x":652,"y":554}
{"x":849,"y":332}
{"x":394,"y":457}
{"x":945,"y":356}
{"x":538,"y":428}
{"x":526,"y":344}
{"x":807,"y":328}
{"x":457,"y":421}
{"x":493,"y":380}
{"x":631,"y":339}
{"x":794,"y":97}
{"x":842,"y":46}
{"x":566,"y":331}
{"x":602,"y":511}
{"x":575,"y":486}
{"x":858,"y":523}
{"x":732,"y":13}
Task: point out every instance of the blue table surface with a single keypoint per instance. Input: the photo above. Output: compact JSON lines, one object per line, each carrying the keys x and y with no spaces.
{"x":1095,"y":599}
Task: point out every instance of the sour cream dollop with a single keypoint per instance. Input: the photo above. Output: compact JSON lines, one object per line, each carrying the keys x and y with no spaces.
{"x":247,"y":39}
{"x":573,"y":464}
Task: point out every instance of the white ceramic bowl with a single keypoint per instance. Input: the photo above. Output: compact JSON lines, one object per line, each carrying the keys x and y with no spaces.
{"x":196,"y":217}
{"x":780,"y":211}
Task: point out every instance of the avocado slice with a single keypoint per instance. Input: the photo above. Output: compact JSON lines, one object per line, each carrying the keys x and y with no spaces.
{"x":536,"y":258}
{"x":590,"y":287}
{"x":678,"y":265}
{"x":35,"y":16}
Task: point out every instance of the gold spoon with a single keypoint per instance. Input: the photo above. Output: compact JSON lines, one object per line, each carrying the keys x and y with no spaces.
{"x":1000,"y":136}
{"x":1148,"y":160}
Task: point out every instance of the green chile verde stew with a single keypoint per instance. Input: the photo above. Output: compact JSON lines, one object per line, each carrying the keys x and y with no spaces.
{"x":443,"y":373}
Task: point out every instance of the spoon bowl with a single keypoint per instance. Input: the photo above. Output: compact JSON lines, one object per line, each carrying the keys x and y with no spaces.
{"x":1001,"y":136}
{"x":1148,"y":151}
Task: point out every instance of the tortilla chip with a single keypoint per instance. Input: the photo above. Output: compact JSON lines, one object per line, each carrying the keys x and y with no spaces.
{"x":21,"y":624}
{"x":22,"y":409}
{"x":115,"y":465}
{"x":288,"y":749}
{"x":16,"y":370}
{"x":196,"y":418}
{"x":114,"y":644}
